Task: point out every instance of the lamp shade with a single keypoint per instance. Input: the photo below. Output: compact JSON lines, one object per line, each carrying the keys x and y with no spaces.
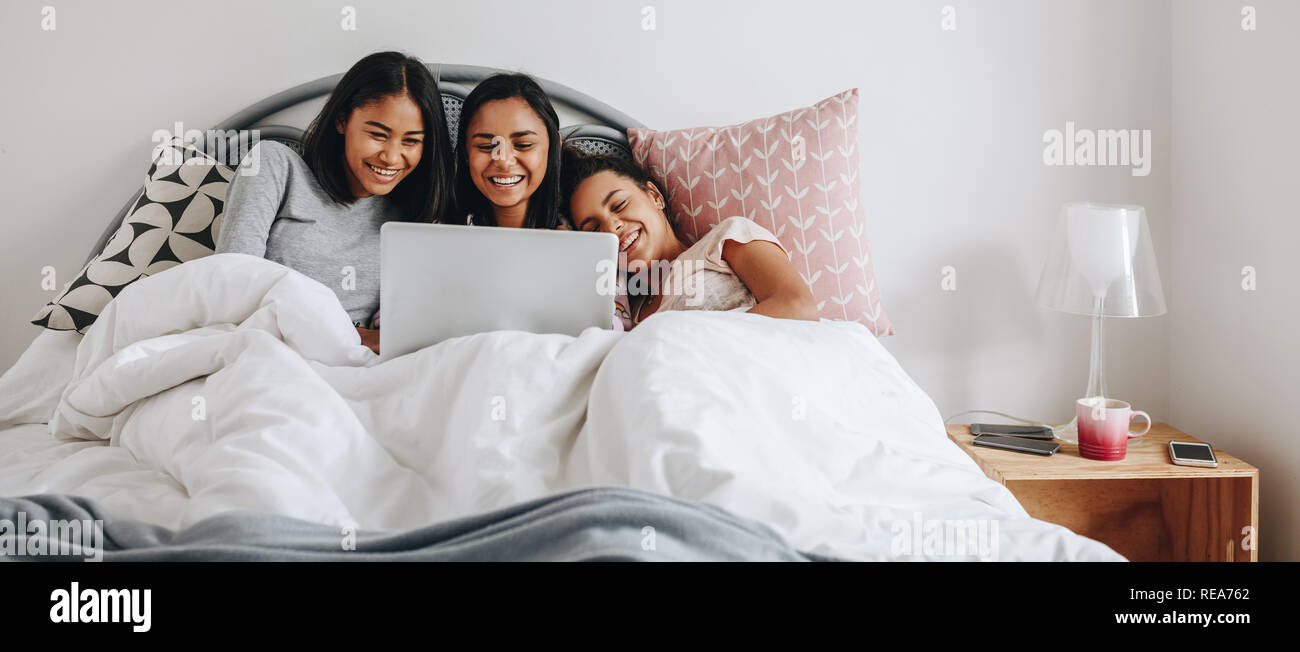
{"x":1101,"y":262}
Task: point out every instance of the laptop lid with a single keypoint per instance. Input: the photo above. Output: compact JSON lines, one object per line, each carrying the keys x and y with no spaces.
{"x":439,"y":281}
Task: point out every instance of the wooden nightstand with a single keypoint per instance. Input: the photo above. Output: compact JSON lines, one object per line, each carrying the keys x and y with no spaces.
{"x":1144,"y":506}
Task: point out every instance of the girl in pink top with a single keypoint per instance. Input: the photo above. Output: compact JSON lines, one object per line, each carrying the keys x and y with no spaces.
{"x":736,"y":265}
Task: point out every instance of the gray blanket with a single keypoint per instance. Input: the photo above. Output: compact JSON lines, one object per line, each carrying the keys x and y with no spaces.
{"x":596,"y":524}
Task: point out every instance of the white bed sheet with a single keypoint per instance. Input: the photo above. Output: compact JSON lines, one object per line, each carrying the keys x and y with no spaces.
{"x":811,"y":428}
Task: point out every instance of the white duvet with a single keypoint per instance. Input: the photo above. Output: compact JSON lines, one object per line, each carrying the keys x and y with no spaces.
{"x":231,"y":382}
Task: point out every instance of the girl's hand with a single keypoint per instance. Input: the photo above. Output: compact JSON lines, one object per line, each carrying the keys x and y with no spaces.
{"x":765,"y":269}
{"x":370,"y":338}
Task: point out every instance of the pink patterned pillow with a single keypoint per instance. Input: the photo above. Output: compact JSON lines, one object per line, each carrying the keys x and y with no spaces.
{"x":795,"y":174}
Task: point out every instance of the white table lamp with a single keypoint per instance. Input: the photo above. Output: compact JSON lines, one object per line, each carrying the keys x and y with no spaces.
{"x":1101,"y":263}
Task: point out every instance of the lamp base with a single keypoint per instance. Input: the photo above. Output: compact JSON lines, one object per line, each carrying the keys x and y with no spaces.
{"x":1069,"y":432}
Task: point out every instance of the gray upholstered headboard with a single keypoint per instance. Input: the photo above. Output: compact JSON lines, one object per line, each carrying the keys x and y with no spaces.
{"x":593,"y":125}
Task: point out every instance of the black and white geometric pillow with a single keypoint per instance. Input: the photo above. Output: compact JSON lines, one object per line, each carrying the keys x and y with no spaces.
{"x":176,"y":219}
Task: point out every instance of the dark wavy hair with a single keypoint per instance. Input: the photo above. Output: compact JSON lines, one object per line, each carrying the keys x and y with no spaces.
{"x":578,"y":167}
{"x":425,"y":195}
{"x":544,"y":205}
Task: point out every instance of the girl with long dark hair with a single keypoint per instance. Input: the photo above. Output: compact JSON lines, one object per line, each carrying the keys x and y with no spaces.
{"x":378,"y":151}
{"x":508,"y":156}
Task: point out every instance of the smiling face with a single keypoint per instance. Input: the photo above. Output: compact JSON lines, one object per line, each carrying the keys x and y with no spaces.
{"x":611,"y":203}
{"x":382,"y":144}
{"x":507,"y":150}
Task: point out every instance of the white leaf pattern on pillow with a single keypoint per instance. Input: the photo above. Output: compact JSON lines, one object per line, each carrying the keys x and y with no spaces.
{"x":760,"y":152}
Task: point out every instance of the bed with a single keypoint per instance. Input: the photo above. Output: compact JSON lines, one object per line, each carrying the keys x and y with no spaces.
{"x":224,"y":410}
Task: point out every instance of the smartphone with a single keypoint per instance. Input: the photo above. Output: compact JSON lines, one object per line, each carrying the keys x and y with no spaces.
{"x":1018,"y":444}
{"x":1029,"y":432}
{"x":1192,"y":453}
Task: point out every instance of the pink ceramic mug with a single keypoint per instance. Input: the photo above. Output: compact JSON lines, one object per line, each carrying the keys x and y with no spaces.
{"x":1104,"y":427}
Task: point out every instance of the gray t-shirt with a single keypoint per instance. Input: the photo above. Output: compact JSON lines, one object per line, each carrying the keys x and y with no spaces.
{"x":282,"y":214}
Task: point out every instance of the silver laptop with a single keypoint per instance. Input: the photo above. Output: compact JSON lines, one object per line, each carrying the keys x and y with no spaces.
{"x":442,"y":281}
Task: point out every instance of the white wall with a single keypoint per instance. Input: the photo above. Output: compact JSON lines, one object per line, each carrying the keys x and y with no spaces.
{"x":1235,"y":361}
{"x":952,"y":147}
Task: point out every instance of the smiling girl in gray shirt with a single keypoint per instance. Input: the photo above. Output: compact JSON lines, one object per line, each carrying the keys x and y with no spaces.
{"x":378,"y":151}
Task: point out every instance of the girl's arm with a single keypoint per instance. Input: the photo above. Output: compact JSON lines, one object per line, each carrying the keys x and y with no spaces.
{"x":765,"y":269}
{"x":252,"y":203}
